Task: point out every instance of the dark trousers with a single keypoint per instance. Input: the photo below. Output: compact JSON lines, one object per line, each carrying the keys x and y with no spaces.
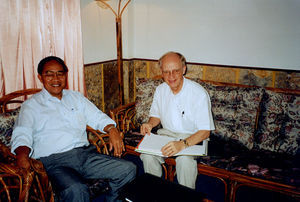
{"x":68,"y":170}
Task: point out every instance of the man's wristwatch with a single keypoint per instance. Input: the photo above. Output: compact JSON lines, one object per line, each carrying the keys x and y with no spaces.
{"x":186,"y":144}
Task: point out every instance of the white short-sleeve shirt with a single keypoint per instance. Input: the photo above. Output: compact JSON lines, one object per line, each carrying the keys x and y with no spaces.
{"x":186,"y":112}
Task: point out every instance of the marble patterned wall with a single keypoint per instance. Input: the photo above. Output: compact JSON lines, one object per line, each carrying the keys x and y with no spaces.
{"x":102,"y":82}
{"x":93,"y":81}
{"x":102,"y":85}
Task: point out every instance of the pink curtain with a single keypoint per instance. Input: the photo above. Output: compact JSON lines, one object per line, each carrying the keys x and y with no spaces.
{"x":33,"y":29}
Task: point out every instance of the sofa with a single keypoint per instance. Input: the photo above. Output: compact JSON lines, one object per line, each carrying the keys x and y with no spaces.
{"x":255,"y":143}
{"x":33,"y":185}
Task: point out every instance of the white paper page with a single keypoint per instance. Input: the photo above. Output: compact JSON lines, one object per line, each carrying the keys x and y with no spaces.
{"x":152,"y":144}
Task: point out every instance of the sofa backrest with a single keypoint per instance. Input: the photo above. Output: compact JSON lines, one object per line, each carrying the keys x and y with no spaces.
{"x":279,"y":121}
{"x":237,"y":113}
{"x":8,"y":115}
{"x":235,"y":109}
{"x":7,"y":121}
{"x":145,"y":89}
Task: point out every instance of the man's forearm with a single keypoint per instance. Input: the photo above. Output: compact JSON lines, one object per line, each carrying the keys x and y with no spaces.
{"x":198,"y":137}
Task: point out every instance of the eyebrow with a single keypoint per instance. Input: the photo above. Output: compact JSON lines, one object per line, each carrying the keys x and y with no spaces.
{"x":55,"y":71}
{"x":171,"y":70}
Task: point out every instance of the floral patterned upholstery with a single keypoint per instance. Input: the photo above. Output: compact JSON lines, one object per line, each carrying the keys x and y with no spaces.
{"x":279,"y":123}
{"x":7,"y":122}
{"x":145,"y":89}
{"x":267,"y":165}
{"x":234,"y":111}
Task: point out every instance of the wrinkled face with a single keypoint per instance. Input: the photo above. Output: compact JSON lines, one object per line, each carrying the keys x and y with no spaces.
{"x":54,"y":78}
{"x":172,"y":72}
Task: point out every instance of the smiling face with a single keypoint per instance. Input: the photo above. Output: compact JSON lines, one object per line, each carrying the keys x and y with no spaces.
{"x":172,"y":71}
{"x":54,"y":78}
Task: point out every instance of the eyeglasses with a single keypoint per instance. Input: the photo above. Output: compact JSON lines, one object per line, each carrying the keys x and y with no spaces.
{"x":173,"y":72}
{"x":50,"y":75}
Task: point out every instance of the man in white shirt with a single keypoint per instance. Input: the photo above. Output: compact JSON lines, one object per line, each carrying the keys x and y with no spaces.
{"x":51,"y":127}
{"x":183,"y":108}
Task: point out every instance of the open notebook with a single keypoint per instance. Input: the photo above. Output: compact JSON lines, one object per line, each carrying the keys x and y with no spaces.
{"x":152,"y":144}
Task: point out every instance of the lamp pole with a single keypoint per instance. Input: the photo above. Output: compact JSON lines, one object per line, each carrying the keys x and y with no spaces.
{"x":118,"y":16}
{"x":120,"y":59}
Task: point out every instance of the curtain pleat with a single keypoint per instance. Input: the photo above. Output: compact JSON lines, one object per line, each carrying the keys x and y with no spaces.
{"x":33,"y":29}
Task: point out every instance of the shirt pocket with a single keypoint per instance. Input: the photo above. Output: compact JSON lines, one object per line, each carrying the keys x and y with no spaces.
{"x":187,"y":120}
{"x":77,"y":119}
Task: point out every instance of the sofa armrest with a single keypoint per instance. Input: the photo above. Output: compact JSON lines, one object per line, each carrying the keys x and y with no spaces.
{"x":12,"y":178}
{"x":124,"y":116}
{"x":98,"y":139}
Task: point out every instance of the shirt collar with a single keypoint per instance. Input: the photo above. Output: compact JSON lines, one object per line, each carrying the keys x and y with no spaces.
{"x":183,"y":86}
{"x":47,"y":96}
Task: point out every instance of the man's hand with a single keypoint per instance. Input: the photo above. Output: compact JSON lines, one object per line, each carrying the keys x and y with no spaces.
{"x":172,"y":148}
{"x":23,"y":162}
{"x":116,"y":142}
{"x":146,"y":128}
{"x":22,"y":154}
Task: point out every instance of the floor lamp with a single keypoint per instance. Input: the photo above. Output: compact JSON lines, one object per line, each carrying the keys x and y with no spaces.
{"x":118,"y":15}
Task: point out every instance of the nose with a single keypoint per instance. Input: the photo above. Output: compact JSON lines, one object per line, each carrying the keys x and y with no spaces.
{"x":172,"y":74}
{"x":55,"y":76}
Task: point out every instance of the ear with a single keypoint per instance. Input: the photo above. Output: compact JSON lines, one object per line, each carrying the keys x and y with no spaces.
{"x":184,"y":69}
{"x":67,"y":83}
{"x":40,"y":78}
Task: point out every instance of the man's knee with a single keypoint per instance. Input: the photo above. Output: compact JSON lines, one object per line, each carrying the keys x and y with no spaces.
{"x":152,"y":164}
{"x":186,"y":161}
{"x":126,"y":172}
{"x":75,"y":192}
{"x":147,"y":158}
{"x":131,"y":169}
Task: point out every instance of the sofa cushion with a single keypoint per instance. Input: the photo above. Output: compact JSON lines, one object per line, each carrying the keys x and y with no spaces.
{"x":279,"y":123}
{"x":234,"y":111}
{"x":267,"y":165}
{"x":145,"y":89}
{"x":7,"y":121}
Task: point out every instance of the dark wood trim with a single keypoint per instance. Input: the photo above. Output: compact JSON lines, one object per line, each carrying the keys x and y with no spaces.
{"x":98,"y":63}
{"x":278,"y":90}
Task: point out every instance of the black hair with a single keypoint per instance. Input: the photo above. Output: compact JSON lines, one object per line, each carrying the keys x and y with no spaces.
{"x":48,"y":59}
